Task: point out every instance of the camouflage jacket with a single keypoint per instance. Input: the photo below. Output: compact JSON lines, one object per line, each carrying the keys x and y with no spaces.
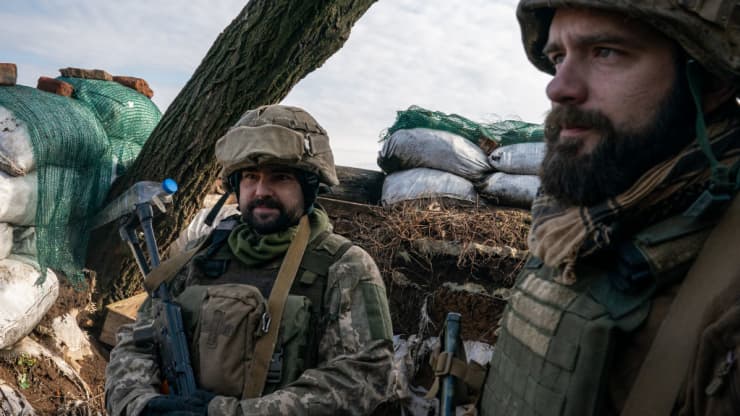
{"x":352,"y":376}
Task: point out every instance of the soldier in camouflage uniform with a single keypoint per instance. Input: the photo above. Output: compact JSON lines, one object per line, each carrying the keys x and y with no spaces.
{"x":333,"y":352}
{"x":642,"y":92}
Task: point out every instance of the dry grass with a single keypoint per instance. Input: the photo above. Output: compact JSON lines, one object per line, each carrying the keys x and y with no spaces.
{"x":393,"y":231}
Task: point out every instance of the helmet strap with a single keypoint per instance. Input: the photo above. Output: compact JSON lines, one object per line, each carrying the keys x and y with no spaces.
{"x":233,"y":181}
{"x":216,"y":209}
{"x":310,"y":188}
{"x":722,"y":186}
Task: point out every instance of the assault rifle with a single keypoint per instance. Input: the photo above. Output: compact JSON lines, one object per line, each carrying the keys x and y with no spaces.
{"x":134,"y":209}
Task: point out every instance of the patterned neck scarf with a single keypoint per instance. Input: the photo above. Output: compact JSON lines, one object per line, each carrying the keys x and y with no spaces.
{"x":254,"y":249}
{"x":560,"y":234}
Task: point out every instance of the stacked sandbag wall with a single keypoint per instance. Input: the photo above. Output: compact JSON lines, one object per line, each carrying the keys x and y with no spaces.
{"x":431,"y":155}
{"x":56,"y":166}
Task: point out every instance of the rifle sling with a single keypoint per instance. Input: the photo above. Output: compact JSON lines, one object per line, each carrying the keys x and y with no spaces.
{"x":666,"y":364}
{"x":265,"y":345}
{"x":168,"y":268}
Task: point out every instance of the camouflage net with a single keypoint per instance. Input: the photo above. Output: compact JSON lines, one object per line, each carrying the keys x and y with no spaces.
{"x":127,"y":116}
{"x":502,"y":133}
{"x":74,"y":164}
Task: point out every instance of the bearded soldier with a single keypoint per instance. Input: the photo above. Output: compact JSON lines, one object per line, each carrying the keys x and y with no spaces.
{"x":332,"y":352}
{"x":643,"y":141}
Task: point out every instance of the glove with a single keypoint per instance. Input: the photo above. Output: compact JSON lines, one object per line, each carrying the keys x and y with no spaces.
{"x":194,"y":405}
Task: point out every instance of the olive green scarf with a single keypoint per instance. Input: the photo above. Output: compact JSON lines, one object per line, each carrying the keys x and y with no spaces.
{"x":255,"y":249}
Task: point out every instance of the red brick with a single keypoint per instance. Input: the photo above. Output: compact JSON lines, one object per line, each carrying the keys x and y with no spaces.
{"x":137,"y":84}
{"x":8,"y":74}
{"x":55,"y":86}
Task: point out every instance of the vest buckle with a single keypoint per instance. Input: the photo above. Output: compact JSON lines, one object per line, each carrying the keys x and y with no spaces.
{"x":275,"y":370}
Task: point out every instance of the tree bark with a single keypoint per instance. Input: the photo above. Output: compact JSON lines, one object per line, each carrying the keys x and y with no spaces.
{"x":256,"y":60}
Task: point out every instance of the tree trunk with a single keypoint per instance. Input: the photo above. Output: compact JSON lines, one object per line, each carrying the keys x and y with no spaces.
{"x":257,"y":59}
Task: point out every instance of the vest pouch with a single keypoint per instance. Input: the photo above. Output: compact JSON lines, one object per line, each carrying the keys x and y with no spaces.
{"x":293,"y":340}
{"x":225,"y":337}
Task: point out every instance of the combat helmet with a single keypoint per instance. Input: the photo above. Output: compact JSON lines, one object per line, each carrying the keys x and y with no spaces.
{"x":708,"y":30}
{"x":277,"y":135}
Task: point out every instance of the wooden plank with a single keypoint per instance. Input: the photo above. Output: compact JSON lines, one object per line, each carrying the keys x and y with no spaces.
{"x":345,"y":209}
{"x":120,"y":313}
{"x":363,"y":186}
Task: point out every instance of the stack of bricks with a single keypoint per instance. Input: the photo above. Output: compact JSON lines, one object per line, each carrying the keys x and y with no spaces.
{"x":9,"y":75}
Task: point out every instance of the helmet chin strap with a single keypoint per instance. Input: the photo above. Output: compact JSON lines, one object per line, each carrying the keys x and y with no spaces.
{"x":722,"y":185}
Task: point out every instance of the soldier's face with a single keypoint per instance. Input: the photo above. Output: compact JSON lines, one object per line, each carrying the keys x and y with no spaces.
{"x":270,"y":198}
{"x":620,"y":104}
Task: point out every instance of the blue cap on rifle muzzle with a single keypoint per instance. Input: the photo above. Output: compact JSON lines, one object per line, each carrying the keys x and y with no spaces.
{"x":169,"y":185}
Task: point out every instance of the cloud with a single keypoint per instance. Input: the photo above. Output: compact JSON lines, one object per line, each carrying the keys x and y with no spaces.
{"x":463,"y":58}
{"x":435,"y":54}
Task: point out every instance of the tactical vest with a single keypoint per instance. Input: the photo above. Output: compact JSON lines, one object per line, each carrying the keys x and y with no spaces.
{"x":304,"y":314}
{"x":557,"y":341}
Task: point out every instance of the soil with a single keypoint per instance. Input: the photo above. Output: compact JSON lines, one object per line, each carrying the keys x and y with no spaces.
{"x":49,"y":391}
{"x":415,"y":281}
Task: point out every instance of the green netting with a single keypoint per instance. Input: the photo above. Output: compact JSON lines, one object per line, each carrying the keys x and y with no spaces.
{"x":503,"y":132}
{"x":74,"y":164}
{"x":127,"y":116}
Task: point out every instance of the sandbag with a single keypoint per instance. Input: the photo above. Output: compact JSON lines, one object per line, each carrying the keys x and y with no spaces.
{"x":24,"y":241}
{"x":512,"y":190}
{"x":18,"y":198}
{"x":434,"y":149}
{"x":13,"y":402}
{"x":519,"y":159}
{"x":423,"y":183}
{"x":23,"y":302}
{"x":6,"y":239}
{"x":127,"y":116}
{"x":16,"y":151}
{"x":73,"y":163}
{"x":198,"y":228}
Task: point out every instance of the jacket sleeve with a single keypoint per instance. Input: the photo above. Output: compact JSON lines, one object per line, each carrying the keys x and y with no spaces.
{"x":132,"y":374}
{"x":355,"y":352}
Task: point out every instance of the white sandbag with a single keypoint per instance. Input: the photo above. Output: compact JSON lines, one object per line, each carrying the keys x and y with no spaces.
{"x":512,"y":190}
{"x":13,"y":402}
{"x":435,"y":149}
{"x":423,"y":183}
{"x":22,"y":302}
{"x":520,"y":158}
{"x":6,"y":239}
{"x":16,"y":151}
{"x":18,"y":196}
{"x":198,"y":228}
{"x":24,"y":241}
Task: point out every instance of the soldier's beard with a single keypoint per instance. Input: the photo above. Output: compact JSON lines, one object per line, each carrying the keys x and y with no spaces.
{"x":620,"y":156}
{"x":285,"y":219}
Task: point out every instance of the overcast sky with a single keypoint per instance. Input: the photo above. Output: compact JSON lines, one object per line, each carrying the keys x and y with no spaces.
{"x":461,"y":57}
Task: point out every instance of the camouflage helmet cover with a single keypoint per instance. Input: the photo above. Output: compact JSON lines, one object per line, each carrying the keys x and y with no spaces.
{"x":277,"y":135}
{"x":708,"y":30}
